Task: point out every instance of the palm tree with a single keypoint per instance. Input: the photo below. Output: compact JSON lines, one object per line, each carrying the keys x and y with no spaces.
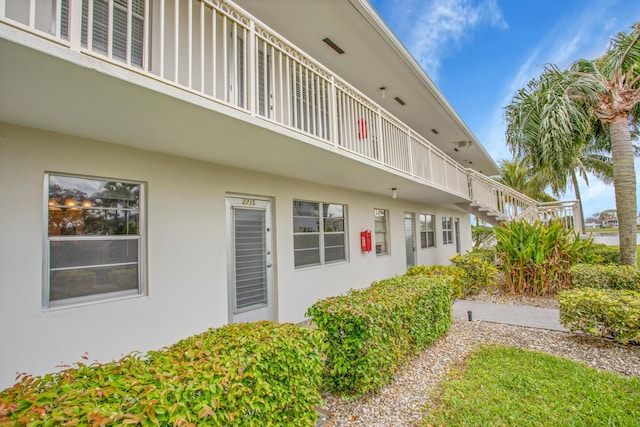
{"x":524,"y":179}
{"x":588,"y":109}
{"x":557,"y":162}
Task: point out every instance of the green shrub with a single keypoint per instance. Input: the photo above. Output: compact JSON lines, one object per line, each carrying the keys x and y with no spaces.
{"x":487,"y":253}
{"x":536,"y":257}
{"x":372,"y":331}
{"x":458,"y":276}
{"x":606,"y":313}
{"x":480,"y":274}
{"x":252,"y":374}
{"x":605,"y":277}
{"x":603,"y":254}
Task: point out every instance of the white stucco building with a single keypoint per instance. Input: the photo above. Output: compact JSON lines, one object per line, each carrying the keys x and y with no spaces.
{"x":168,"y":166}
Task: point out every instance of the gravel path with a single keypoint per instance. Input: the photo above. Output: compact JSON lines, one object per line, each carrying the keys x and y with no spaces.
{"x":402,"y":402}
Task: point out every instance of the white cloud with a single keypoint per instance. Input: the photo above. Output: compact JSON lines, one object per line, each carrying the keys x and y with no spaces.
{"x":442,"y":25}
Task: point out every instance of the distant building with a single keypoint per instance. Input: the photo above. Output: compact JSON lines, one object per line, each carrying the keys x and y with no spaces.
{"x":610,"y":223}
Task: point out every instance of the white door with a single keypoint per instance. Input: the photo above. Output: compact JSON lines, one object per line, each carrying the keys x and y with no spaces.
{"x":250,"y":276}
{"x":410,"y":238}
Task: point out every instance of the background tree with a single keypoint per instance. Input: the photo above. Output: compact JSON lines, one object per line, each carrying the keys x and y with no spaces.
{"x":607,"y":214}
{"x":593,"y":107}
{"x":520,"y":176}
{"x":595,"y":217}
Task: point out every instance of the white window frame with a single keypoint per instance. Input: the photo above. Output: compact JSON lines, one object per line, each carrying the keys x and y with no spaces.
{"x":321,"y":235}
{"x":140,"y":237}
{"x":426,"y":231}
{"x":383,"y":219}
{"x":447,"y":230}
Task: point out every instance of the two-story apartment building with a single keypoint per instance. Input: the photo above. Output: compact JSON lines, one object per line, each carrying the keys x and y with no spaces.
{"x":172,"y":165}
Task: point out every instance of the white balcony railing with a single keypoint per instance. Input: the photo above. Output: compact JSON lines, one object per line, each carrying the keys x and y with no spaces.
{"x":218,"y":51}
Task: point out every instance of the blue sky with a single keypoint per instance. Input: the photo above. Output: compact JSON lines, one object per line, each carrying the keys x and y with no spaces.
{"x":480,"y":52}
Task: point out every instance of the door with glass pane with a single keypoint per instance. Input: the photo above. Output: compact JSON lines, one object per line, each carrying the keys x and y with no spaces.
{"x":250,"y":258}
{"x":410,"y":238}
{"x":456,"y":224}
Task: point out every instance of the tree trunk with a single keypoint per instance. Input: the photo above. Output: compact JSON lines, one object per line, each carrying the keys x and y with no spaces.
{"x":624,"y":183}
{"x":576,"y":190}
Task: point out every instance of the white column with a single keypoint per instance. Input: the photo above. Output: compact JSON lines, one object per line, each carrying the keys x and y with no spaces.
{"x":252,"y":86}
{"x":75,"y":24}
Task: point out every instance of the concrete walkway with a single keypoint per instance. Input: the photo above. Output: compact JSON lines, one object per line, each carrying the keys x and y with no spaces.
{"x":543,"y":318}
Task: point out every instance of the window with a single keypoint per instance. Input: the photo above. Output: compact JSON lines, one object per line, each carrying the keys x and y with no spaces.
{"x":265,"y":76}
{"x":117,"y":26}
{"x":309,"y":101}
{"x":427,"y":231}
{"x":118,"y":21}
{"x":447,"y":230}
{"x":94,"y":239}
{"x":318,"y":233}
{"x":236,"y":65}
{"x":44,"y":13}
{"x":380,"y":219}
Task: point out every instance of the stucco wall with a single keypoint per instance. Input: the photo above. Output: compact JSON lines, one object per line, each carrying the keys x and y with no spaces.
{"x":186,"y":250}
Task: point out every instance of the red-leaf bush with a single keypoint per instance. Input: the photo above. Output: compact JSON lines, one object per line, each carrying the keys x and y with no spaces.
{"x":250,"y":374}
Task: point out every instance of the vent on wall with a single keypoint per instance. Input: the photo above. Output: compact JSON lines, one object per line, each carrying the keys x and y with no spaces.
{"x":463,"y":144}
{"x":332,"y":45}
{"x":399,"y":101}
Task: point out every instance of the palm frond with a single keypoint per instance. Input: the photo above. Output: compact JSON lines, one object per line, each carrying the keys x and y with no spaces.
{"x":623,"y":53}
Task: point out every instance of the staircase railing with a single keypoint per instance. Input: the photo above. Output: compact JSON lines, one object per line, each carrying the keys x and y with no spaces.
{"x":502,"y":199}
{"x":506,"y":204}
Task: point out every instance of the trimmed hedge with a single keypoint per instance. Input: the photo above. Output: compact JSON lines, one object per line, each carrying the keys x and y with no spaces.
{"x":606,"y":313}
{"x":480,"y":273}
{"x":471,"y":273}
{"x":603,"y":254}
{"x":605,"y":277}
{"x":371,"y":332}
{"x":251,"y":374}
{"x":458,"y":276}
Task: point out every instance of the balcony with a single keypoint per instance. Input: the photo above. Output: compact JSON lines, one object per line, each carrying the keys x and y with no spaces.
{"x":215,"y":56}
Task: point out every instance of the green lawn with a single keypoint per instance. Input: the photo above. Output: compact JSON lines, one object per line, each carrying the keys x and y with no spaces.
{"x":503,"y":386}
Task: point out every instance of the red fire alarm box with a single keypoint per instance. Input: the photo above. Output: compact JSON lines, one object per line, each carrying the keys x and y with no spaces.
{"x":363,"y":130}
{"x":365,"y":241}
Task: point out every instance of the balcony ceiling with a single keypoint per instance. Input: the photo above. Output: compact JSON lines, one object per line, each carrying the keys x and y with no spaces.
{"x":373,"y":58}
